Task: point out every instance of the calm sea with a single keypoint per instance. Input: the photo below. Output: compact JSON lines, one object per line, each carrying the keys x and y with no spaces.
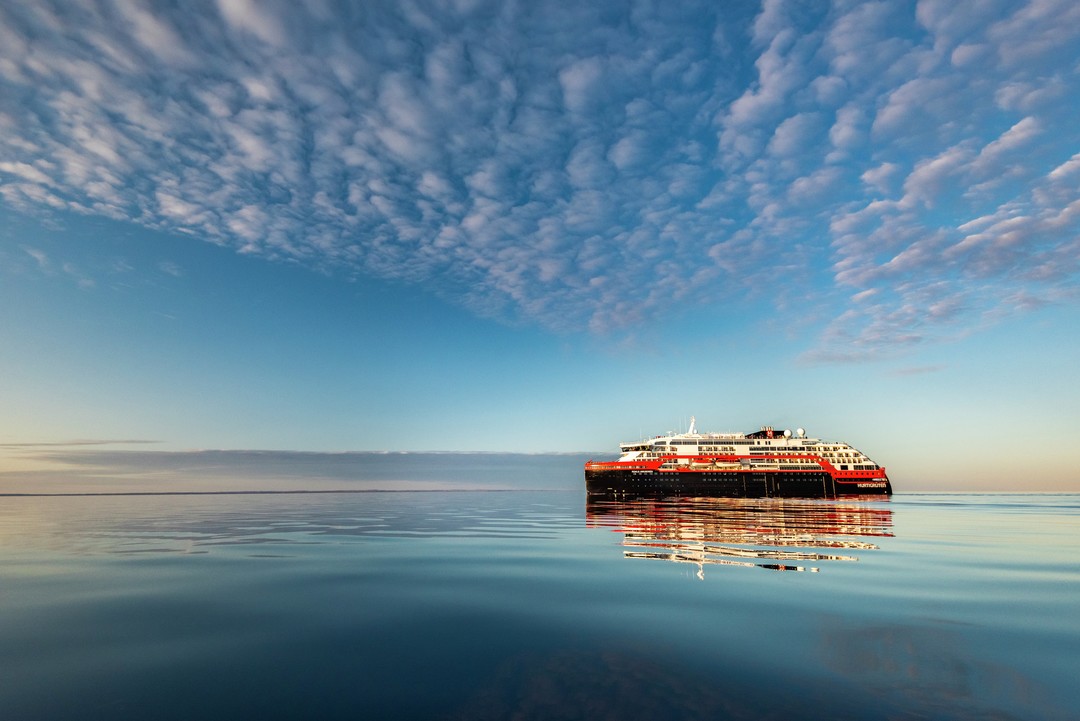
{"x":537,"y":604}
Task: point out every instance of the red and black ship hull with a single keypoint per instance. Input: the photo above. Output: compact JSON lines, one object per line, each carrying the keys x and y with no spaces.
{"x":734,"y":483}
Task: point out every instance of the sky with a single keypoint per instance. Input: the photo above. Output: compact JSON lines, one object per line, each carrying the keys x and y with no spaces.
{"x":543,"y":226}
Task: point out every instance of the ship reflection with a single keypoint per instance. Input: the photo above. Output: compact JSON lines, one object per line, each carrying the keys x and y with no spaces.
{"x":776,"y":534}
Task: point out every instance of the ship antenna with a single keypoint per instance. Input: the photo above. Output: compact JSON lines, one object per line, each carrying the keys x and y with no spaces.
{"x":693,"y":427}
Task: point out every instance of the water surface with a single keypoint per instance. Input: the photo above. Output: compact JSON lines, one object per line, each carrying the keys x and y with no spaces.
{"x":538,"y":604}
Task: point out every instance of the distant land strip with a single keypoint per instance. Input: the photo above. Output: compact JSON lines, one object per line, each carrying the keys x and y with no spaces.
{"x":278,"y":493}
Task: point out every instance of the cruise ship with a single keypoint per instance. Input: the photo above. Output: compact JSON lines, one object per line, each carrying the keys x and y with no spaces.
{"x":765,"y":463}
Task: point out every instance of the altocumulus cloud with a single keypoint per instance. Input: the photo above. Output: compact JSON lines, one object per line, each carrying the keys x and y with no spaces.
{"x":911,"y":167}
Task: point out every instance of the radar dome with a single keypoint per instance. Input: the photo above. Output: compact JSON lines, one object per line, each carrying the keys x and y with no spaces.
{"x":801,"y":432}
{"x":787,"y":434}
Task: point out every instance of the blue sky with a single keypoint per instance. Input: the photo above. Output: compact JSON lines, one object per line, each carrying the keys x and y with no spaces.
{"x":544,"y":226}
